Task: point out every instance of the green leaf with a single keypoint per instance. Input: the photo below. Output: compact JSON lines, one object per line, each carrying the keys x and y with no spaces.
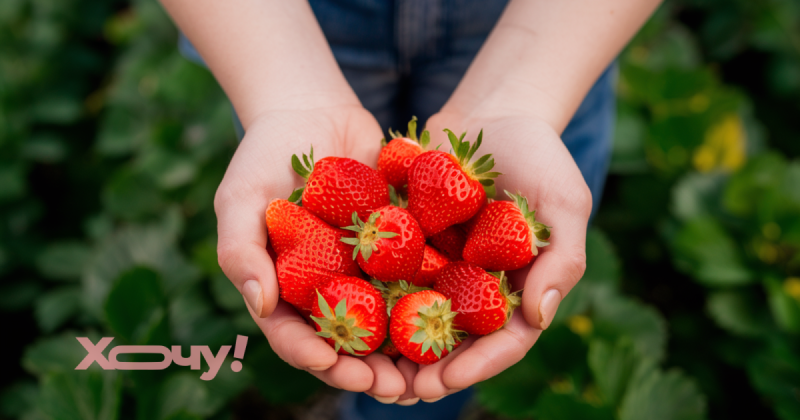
{"x":296,"y":195}
{"x":706,"y":251}
{"x":55,"y":307}
{"x":168,"y":169}
{"x":738,"y":312}
{"x":418,"y":337}
{"x":135,"y":305}
{"x":63,"y":260}
{"x":697,"y":196}
{"x":617,"y":316}
{"x":59,"y":354}
{"x":194,"y":321}
{"x":131,"y":195}
{"x":612,"y":367}
{"x":656,"y":395}
{"x":45,"y":149}
{"x":151,"y":246}
{"x":225,"y":294}
{"x":323,"y":306}
{"x":81,"y":395}
{"x":785,"y":308}
{"x":775,"y":374}
{"x":552,"y":406}
{"x":341,"y":309}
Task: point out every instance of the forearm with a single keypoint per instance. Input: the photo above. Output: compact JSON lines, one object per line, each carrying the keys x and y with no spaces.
{"x":543,"y":56}
{"x":266,"y":55}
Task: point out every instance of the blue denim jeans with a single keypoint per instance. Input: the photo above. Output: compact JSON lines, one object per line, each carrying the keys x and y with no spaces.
{"x":404,"y":58}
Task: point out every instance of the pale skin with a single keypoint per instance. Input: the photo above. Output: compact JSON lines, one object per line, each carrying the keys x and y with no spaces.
{"x":272,"y":60}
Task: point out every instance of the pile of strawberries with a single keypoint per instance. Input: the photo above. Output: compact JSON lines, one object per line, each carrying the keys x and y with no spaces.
{"x":421,"y":229}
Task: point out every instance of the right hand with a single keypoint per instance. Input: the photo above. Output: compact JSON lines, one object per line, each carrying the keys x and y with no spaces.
{"x":259,"y":172}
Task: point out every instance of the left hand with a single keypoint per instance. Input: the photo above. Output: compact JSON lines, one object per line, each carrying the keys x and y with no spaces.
{"x":535,"y":162}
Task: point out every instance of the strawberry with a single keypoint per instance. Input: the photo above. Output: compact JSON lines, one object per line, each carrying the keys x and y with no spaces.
{"x":397,"y":155}
{"x":444,"y":190}
{"x":432,"y":263}
{"x":287,"y":224}
{"x":309,"y":252}
{"x":505,"y":235}
{"x":389,"y":246}
{"x":451,"y":241}
{"x":336,"y":187}
{"x":482,"y":300}
{"x":421,"y":327}
{"x":351,"y":315}
{"x":388,"y":348}
{"x":392,"y":291}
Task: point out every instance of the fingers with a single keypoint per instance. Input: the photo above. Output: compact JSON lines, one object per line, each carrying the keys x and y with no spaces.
{"x":389,"y":382}
{"x":554,"y":273}
{"x":428,"y":385}
{"x":490,"y":355}
{"x":348,"y":373}
{"x":296,"y":342}
{"x":409,"y":371}
{"x":241,"y":250}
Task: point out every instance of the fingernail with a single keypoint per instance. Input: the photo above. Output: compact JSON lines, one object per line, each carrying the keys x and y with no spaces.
{"x":548,"y":307}
{"x":252,"y":294}
{"x":318,"y":368}
{"x":410,"y":401}
{"x":432,"y":400}
{"x":385,"y":400}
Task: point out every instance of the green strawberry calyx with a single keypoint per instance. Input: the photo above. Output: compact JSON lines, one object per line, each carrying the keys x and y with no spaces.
{"x":424,"y":139}
{"x":398,"y":199}
{"x":392,"y":291}
{"x":478,"y":170}
{"x":540,"y":232}
{"x":367,"y":235}
{"x":435,"y":328}
{"x":514,"y":299}
{"x":338,"y":326}
{"x":302,"y":170}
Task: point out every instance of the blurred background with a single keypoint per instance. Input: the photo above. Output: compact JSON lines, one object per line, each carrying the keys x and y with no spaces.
{"x":112,"y":146}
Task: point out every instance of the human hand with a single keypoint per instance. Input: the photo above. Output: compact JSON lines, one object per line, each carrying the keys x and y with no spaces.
{"x":534,"y":162}
{"x":259,"y":172}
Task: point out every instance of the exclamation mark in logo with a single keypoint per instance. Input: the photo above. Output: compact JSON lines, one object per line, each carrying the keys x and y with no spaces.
{"x":238,"y":352}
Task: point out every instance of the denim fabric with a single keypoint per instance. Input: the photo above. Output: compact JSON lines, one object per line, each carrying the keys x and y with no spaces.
{"x":404,"y":58}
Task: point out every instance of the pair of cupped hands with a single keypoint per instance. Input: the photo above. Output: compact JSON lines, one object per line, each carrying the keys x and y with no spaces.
{"x":533,"y":161}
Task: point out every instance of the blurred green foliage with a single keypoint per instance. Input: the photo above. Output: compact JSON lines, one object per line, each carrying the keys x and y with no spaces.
{"x":112,"y":146}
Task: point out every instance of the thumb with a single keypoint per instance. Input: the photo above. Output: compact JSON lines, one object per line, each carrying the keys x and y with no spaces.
{"x":241,"y":250}
{"x":554,"y":273}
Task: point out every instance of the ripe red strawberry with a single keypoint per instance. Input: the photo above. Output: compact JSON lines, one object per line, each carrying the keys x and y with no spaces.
{"x":432,"y":263}
{"x":351,"y":315}
{"x":388,"y":348}
{"x":389,"y":246}
{"x":505,"y":235}
{"x":397,"y":155}
{"x":309,"y":252}
{"x":482,"y":300}
{"x":392,"y":291}
{"x":450,"y":242}
{"x":421,"y":327}
{"x":287,"y":224}
{"x":444,"y":190}
{"x":336,"y":187}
